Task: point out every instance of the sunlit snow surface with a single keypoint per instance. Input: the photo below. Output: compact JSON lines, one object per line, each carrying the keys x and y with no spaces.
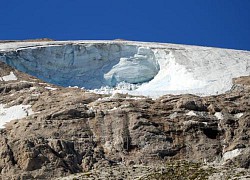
{"x":10,"y":77}
{"x":150,"y":69}
{"x":231,"y":154}
{"x":8,"y":114}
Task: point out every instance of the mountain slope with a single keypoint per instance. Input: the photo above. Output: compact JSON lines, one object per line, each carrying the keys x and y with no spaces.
{"x":65,"y":130}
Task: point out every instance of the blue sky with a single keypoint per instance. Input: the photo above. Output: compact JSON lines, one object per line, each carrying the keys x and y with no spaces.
{"x":219,"y":23}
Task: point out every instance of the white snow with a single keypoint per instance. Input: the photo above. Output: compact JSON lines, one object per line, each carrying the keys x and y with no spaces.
{"x":191,"y":113}
{"x":10,"y":77}
{"x":219,"y":115}
{"x":76,"y":87}
{"x":205,"y":123}
{"x":231,"y":154}
{"x":172,"y":77}
{"x":33,"y":88}
{"x":189,"y":122}
{"x":121,"y":87}
{"x":13,"y":112}
{"x":238,"y":115}
{"x":173,"y":115}
{"x":150,"y":69}
{"x":50,"y":88}
{"x":113,"y":109}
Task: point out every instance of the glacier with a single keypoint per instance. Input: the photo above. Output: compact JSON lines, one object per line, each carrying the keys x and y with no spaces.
{"x":138,"y":68}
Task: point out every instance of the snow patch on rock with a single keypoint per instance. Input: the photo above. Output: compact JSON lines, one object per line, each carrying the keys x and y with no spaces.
{"x":50,"y":88}
{"x":191,"y":113}
{"x":10,"y":77}
{"x":13,"y":112}
{"x":231,"y":154}
{"x":238,"y":115}
{"x":219,"y":115}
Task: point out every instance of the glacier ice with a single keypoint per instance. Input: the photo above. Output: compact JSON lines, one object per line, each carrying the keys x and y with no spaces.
{"x":91,"y":66}
{"x":152,"y":69}
{"x":139,"y":68}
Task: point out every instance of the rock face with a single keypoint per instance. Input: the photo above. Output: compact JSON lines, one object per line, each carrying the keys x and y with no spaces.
{"x":74,"y":131}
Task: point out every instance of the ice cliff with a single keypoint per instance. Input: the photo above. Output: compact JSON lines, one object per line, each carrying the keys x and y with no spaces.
{"x":153,"y":69}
